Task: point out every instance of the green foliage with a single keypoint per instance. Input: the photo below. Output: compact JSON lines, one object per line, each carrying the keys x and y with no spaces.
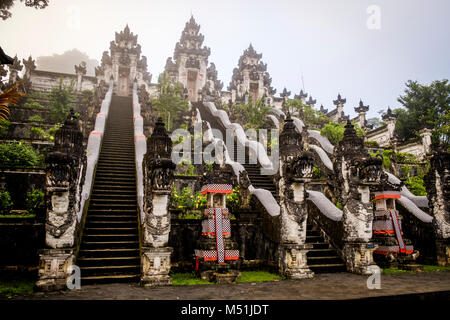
{"x":18,"y":154}
{"x":316,"y":172}
{"x":387,"y":154}
{"x":188,"y":200}
{"x":4,"y":126}
{"x":371,"y":144}
{"x":35,"y":118}
{"x":209,"y":166}
{"x":170,"y":103}
{"x":187,"y":168}
{"x":32,"y":104}
{"x":375,"y":122}
{"x":333,"y":131}
{"x":405,"y":157}
{"x":310,"y":116}
{"x":425,"y":106}
{"x":5,"y":201}
{"x":252,"y":114}
{"x":62,"y":100}
{"x":233,"y":200}
{"x":34,"y":200}
{"x":416,"y":185}
{"x":339,"y":205}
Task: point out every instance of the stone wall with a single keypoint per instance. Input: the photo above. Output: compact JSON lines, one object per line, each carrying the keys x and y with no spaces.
{"x":20,"y":240}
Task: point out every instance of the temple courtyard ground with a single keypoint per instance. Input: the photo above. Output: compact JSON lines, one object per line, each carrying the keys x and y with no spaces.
{"x":333,"y":286}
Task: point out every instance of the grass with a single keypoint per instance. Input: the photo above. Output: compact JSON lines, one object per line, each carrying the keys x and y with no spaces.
{"x":258,"y":276}
{"x":27,"y":215}
{"x":426,"y":268}
{"x":186,"y":279}
{"x":189,"y":279}
{"x":11,"y":287}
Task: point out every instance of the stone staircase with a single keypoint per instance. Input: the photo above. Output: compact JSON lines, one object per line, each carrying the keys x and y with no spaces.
{"x":322,"y":258}
{"x":109,"y":250}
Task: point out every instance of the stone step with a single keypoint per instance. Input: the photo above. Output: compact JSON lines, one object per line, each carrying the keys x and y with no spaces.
{"x":90,"y":253}
{"x":103,"y":279}
{"x":110,"y":244}
{"x":107,"y":261}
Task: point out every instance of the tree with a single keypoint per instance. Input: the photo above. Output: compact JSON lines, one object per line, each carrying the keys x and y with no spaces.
{"x":170,"y":103}
{"x":335,"y":131}
{"x":6,"y":5}
{"x":252,"y":115}
{"x":62,"y":100}
{"x":425,"y":106}
{"x":11,"y":96}
{"x":375,"y":122}
{"x":310,"y":116}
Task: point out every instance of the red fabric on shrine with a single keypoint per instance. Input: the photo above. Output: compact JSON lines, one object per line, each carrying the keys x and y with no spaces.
{"x":384,"y":232}
{"x":216,"y":191}
{"x":388,"y":196}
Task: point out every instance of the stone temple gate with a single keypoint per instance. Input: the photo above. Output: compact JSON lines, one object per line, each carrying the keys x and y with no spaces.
{"x":110,"y":180}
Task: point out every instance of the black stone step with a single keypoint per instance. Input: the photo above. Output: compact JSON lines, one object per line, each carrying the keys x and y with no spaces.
{"x":108,"y":261}
{"x":87,"y":244}
{"x":102,"y":279}
{"x":102,"y":253}
{"x":110,"y":270}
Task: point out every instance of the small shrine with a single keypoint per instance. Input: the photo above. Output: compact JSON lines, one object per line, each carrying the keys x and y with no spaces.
{"x":393,"y":249}
{"x":217,"y":256}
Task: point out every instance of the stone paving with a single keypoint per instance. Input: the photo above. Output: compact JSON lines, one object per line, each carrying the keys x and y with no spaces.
{"x":334,"y":286}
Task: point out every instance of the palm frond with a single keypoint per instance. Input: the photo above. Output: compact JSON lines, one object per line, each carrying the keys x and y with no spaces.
{"x":9,"y":97}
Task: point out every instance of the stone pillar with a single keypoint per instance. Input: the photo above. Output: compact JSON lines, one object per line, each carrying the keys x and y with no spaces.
{"x":63,"y":170}
{"x":295,"y":171}
{"x":158,"y":178}
{"x":356,"y":171}
{"x":437,"y":182}
{"x":425,"y":134}
{"x":80,"y":70}
{"x":339,"y":103}
{"x":361,"y":109}
{"x":14,"y":70}
{"x":390,"y":118}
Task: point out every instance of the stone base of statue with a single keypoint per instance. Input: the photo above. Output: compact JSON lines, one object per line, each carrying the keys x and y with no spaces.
{"x":358,"y":257}
{"x":54,"y":269}
{"x":292,"y":261}
{"x":443,"y":252}
{"x":155,"y":266}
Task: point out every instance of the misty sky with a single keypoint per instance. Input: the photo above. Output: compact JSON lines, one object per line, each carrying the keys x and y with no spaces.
{"x":329,"y":42}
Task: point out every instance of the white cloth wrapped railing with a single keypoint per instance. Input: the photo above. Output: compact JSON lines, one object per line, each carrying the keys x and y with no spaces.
{"x":140,"y":146}
{"x":264,"y":196}
{"x":93,"y":148}
{"x":325,"y":206}
{"x":256,"y":147}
